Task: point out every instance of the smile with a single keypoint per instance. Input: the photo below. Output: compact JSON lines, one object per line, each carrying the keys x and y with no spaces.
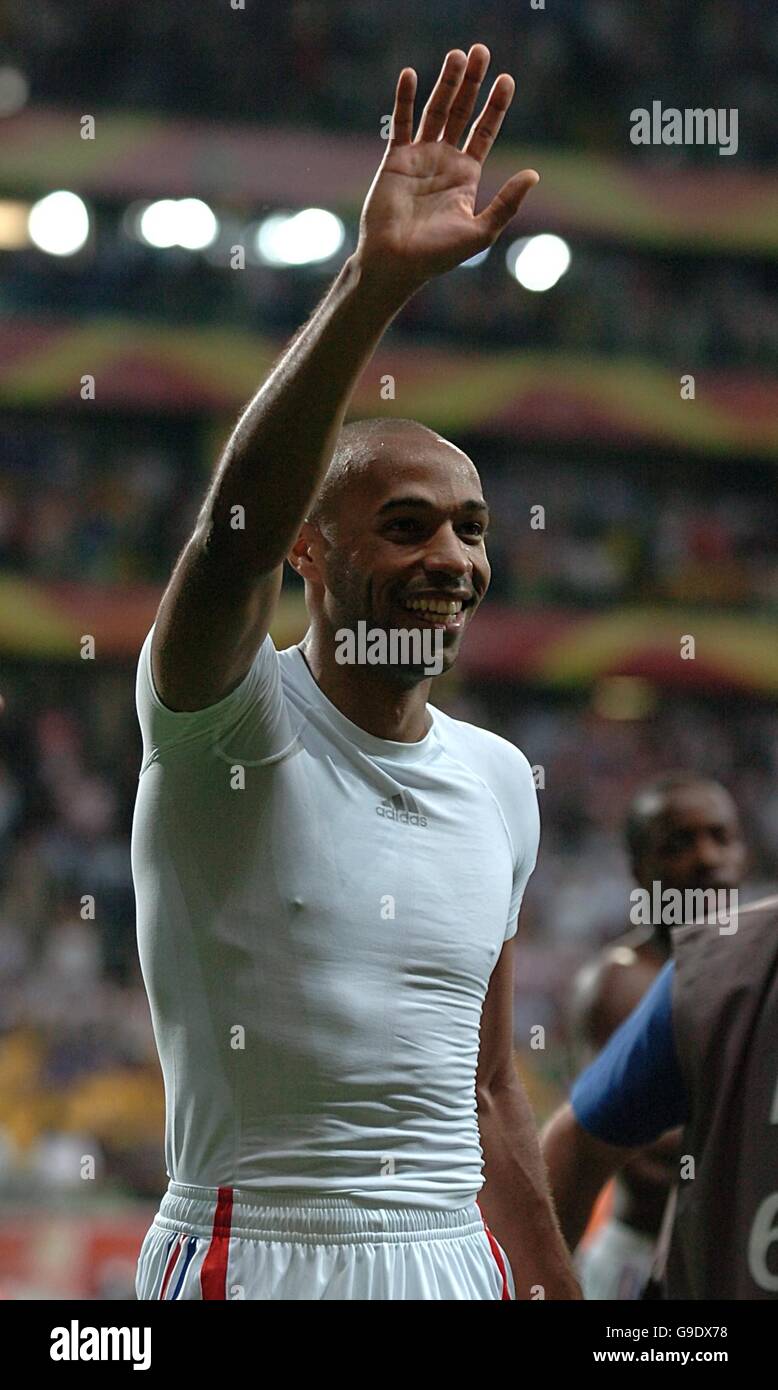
{"x":447,"y":608}
{"x":445,"y":613}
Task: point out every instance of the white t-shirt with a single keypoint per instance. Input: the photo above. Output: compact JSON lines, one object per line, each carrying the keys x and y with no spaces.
{"x":319,"y":913}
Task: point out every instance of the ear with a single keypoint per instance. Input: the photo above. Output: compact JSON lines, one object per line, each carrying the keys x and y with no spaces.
{"x":303,"y":555}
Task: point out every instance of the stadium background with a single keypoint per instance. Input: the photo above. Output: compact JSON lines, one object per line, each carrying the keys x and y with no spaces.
{"x":660,"y":512}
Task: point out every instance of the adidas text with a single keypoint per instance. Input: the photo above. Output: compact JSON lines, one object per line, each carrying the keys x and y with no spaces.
{"x":402,"y":808}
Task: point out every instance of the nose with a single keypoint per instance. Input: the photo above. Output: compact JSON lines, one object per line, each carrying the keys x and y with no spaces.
{"x":448,"y":554}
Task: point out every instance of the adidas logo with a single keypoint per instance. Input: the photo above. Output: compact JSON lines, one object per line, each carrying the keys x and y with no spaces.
{"x":402,"y":807}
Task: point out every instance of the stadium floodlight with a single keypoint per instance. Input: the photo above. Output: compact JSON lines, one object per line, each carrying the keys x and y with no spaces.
{"x":59,"y":223}
{"x":158,"y":223}
{"x":198,"y":227}
{"x":537,"y":262}
{"x":299,"y":238}
{"x":187,"y":222}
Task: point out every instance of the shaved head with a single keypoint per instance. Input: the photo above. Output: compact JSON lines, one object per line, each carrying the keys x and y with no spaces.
{"x":362,"y":445}
{"x":399,"y":525}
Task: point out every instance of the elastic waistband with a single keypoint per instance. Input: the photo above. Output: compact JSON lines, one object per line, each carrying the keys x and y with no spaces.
{"x":207,"y":1211}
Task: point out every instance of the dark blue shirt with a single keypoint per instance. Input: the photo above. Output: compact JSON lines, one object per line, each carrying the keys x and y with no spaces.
{"x":634,"y":1090}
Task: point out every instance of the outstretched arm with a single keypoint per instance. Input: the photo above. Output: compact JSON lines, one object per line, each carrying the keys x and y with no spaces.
{"x":418,"y":221}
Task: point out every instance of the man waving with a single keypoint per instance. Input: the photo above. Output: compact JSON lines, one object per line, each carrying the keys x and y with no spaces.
{"x":329,"y":869}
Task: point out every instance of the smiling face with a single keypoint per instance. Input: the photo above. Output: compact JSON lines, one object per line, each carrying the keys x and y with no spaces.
{"x":406,"y":544}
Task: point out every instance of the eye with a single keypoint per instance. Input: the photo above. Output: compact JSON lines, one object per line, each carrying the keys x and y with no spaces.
{"x":404,"y":524}
{"x":410,"y":525}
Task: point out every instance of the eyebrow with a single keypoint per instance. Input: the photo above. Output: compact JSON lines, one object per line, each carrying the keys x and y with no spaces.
{"x":472,"y":505}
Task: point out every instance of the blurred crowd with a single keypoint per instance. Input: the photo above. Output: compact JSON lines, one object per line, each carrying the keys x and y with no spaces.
{"x":675,"y":312}
{"x":79,"y":1080}
{"x":580,"y":68}
{"x":681,"y":312}
{"x":112,"y":503}
{"x":109,"y":503}
{"x":624,"y":532}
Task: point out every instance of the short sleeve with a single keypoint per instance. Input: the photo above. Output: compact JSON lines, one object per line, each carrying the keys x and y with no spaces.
{"x":525,"y":836}
{"x":634,"y":1091}
{"x":250,"y":724}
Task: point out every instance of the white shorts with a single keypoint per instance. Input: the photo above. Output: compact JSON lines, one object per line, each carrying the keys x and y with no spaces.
{"x":616,"y":1263}
{"x":209,"y":1243}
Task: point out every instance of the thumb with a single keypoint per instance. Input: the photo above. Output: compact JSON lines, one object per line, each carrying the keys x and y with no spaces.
{"x":505,"y":204}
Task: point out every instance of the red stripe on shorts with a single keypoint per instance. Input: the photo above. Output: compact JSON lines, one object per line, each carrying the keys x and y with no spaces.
{"x":497,"y":1252}
{"x":213,"y":1275}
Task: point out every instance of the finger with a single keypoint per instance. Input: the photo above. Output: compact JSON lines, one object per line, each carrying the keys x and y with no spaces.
{"x":484,"y":132}
{"x":477,"y":62}
{"x":505,"y":204}
{"x":442,"y":96}
{"x":401,"y":131}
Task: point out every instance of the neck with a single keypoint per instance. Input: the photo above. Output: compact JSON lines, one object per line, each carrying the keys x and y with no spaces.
{"x":367,"y":695}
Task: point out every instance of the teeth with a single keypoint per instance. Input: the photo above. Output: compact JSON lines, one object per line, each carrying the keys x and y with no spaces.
{"x":446,"y":607}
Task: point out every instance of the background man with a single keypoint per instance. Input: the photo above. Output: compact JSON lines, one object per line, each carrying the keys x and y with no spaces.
{"x":699,"y":1050}
{"x":682,"y":832}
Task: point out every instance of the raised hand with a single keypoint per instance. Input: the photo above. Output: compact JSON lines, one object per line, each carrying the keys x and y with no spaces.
{"x":419,"y":216}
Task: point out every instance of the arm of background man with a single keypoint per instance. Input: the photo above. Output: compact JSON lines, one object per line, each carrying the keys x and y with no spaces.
{"x":578,"y":1167}
{"x":628,"y":1097}
{"x":515,"y":1199}
{"x":418,"y":221}
{"x":605,"y":993}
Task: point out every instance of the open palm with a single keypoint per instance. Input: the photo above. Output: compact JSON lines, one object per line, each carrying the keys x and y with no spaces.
{"x":419,"y":217}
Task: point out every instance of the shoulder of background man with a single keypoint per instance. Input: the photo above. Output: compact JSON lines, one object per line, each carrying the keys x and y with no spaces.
{"x":608,"y":988}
